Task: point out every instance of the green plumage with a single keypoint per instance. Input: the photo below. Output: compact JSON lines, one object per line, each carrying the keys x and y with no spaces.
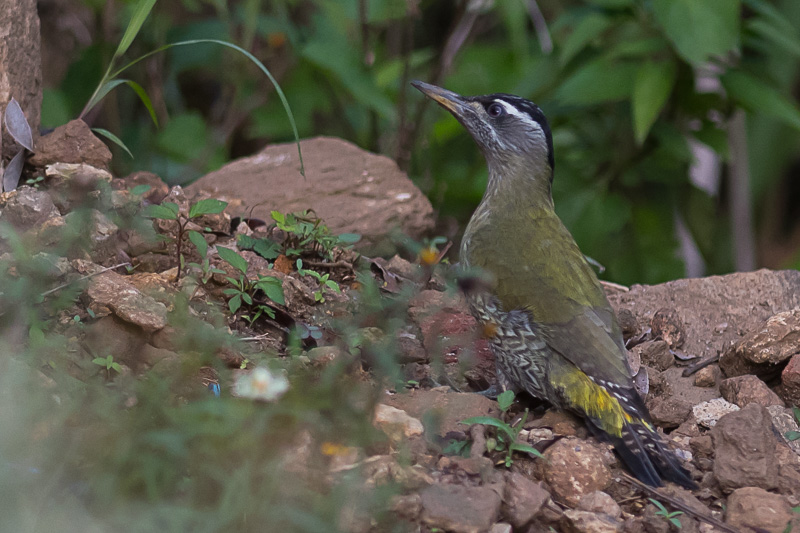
{"x":555,"y":334}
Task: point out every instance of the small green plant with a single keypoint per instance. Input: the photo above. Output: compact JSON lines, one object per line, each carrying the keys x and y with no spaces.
{"x":794,"y":435}
{"x":305,"y":231}
{"x":243,"y":288}
{"x":662,"y":511}
{"x":506,"y":436}
{"x":34,"y":182}
{"x":107,"y":363}
{"x":323,"y":279}
{"x":171,"y":211}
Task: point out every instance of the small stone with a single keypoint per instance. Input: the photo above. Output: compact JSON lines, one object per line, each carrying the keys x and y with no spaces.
{"x":460,"y":509}
{"x":396,"y":423}
{"x":627,"y":323}
{"x":573,"y":468}
{"x":669,"y":412}
{"x":655,"y":354}
{"x":707,"y":377}
{"x":668,"y":326}
{"x":501,"y":527}
{"x":784,"y":421}
{"x":561,"y":423}
{"x":599,"y":502}
{"x":743,"y":390}
{"x":523,"y":499}
{"x":126,"y":301}
{"x":401,"y":267}
{"x":702,"y":446}
{"x":753,"y":507}
{"x":407,"y":506}
{"x":441,"y":410}
{"x":410,"y":347}
{"x":26,"y":207}
{"x":708,"y":413}
{"x":325,"y":355}
{"x":790,"y":377}
{"x":588,"y":522}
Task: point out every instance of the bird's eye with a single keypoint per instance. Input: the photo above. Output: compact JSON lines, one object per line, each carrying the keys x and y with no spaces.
{"x":495,"y":110}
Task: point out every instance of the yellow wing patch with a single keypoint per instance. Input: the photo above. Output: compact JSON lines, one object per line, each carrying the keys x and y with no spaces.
{"x":584,"y":394}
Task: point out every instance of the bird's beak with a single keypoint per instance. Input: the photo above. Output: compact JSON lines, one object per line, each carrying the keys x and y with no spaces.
{"x":453,"y":102}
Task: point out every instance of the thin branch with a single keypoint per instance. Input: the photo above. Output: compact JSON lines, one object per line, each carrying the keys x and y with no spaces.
{"x":678,"y":504}
{"x":540,"y":27}
{"x":741,"y":211}
{"x":87,"y":276}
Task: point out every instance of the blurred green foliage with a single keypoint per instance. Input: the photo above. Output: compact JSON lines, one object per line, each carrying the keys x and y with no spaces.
{"x":629,"y":86}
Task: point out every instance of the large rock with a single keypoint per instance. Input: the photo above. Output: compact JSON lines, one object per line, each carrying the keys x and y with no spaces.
{"x":352,"y":190}
{"x":73,"y":142}
{"x":712,"y":313}
{"x":744,"y":449}
{"x":20,"y":65}
{"x":126,"y":301}
{"x":752,"y":507}
{"x":715,"y":310}
{"x":575,"y":467}
{"x":765,"y":348}
{"x":743,"y":390}
{"x":523,"y":499}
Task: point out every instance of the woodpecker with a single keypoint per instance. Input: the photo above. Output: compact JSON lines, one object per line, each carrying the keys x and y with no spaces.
{"x":550,"y":326}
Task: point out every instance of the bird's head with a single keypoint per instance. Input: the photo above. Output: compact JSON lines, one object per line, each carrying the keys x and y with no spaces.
{"x":511,"y":131}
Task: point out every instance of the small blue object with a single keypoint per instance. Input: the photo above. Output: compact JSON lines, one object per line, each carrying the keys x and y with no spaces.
{"x":214,"y":387}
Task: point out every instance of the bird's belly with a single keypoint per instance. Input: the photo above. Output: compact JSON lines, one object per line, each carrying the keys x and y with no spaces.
{"x":521,"y":361}
{"x":521,"y":355}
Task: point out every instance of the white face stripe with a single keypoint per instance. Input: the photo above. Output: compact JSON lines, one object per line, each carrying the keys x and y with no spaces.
{"x":524,"y":117}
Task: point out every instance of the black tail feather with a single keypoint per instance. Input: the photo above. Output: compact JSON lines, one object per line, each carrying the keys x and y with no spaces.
{"x":647,"y":456}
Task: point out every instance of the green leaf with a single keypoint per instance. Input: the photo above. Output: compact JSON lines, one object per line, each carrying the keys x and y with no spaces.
{"x":796,"y":412}
{"x":247,"y":298}
{"x":505,"y":399}
{"x":209,"y":206}
{"x":143,"y":96}
{"x":519,"y":447}
{"x":199,"y":242}
{"x":235,"y":303}
{"x":651,"y":90}
{"x":490,"y":421}
{"x":266,"y":248}
{"x":164,"y":211}
{"x":589,"y":28}
{"x":140,"y":189}
{"x":597,"y":82}
{"x":113,"y":138}
{"x":792,"y":435}
{"x":140,"y":14}
{"x":235,"y":260}
{"x":273,"y":288}
{"x":349,"y":238}
{"x":755,"y":95}
{"x":699,"y":29}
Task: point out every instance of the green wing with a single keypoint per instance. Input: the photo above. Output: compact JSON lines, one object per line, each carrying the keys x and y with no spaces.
{"x":538,"y":267}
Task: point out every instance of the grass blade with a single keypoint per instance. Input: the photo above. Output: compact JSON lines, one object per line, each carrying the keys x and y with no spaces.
{"x":113,"y":138}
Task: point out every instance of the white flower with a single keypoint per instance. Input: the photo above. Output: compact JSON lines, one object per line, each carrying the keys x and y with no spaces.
{"x":261,"y":384}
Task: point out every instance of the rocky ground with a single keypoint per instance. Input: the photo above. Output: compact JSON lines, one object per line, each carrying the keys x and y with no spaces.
{"x":721,"y":354}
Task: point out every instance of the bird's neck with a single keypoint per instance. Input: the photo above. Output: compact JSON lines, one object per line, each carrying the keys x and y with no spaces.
{"x":519,"y":186}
